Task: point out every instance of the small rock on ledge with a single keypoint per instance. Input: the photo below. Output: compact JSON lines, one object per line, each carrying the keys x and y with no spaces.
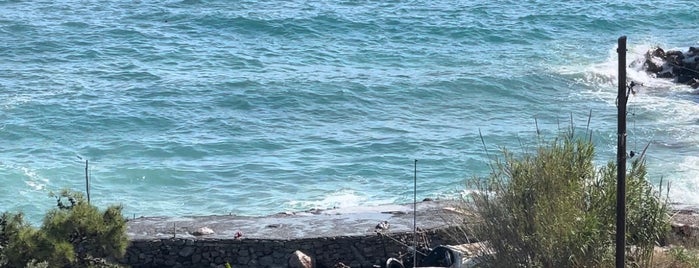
{"x":203,"y":231}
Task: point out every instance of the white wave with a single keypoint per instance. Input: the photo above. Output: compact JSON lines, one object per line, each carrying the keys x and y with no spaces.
{"x":660,"y":111}
{"x":605,"y":74}
{"x":684,"y":181}
{"x":336,"y":199}
{"x":34,"y":180}
{"x":342,"y":198}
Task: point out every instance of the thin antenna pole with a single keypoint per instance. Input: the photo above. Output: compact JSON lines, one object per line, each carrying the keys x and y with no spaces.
{"x":621,"y":159}
{"x":87,"y":182}
{"x":415,"y":214}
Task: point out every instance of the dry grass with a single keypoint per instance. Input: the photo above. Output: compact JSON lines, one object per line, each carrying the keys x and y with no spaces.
{"x":676,"y":257}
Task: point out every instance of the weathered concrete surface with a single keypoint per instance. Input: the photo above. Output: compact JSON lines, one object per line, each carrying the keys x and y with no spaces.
{"x":351,"y":221}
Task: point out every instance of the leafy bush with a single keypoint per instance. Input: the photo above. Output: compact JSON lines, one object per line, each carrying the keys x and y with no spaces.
{"x":555,"y":209}
{"x":72,"y":235}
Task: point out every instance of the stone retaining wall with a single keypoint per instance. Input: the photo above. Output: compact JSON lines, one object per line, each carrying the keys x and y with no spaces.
{"x":355,"y":251}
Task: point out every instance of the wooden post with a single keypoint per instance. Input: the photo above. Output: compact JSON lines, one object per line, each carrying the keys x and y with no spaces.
{"x":621,"y":159}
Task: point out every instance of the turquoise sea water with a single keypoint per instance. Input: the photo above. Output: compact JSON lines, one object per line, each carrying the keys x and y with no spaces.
{"x":255,"y":107}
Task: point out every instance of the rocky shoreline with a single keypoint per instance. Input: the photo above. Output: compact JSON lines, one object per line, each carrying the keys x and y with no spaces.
{"x":682,"y":67}
{"x":355,"y":237}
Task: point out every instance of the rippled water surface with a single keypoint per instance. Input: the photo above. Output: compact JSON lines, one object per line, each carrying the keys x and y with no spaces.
{"x":256,"y":107}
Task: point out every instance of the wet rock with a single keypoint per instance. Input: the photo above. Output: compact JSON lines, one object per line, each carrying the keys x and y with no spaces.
{"x":299,"y":259}
{"x":683,"y":67}
{"x":653,"y":66}
{"x":382,"y":226}
{"x":657,"y":52}
{"x":694,"y":83}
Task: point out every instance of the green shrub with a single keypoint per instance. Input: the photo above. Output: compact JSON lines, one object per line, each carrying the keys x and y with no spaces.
{"x":72,"y":235}
{"x":553,"y":208}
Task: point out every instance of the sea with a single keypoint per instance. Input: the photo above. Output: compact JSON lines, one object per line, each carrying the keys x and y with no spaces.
{"x":250,"y":107}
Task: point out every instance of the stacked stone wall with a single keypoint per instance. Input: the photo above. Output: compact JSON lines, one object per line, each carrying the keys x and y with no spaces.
{"x":354,"y":251}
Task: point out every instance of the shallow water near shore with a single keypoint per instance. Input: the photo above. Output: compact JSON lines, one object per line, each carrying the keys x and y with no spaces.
{"x":256,"y":107}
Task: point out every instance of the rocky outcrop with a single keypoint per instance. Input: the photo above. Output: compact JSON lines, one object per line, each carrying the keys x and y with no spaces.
{"x":683,"y":67}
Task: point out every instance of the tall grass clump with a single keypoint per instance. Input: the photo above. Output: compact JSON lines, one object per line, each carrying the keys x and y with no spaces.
{"x":74,"y":234}
{"x":554,"y":208}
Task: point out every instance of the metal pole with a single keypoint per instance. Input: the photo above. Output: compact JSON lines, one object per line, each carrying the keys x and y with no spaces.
{"x":621,"y":159}
{"x":87,"y":182}
{"x":415,"y":215}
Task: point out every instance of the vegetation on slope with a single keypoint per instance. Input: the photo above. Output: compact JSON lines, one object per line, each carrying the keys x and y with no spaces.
{"x":74,"y":234}
{"x":553,"y":208}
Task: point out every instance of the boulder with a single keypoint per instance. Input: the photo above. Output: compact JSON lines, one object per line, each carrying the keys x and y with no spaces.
{"x":299,"y":259}
{"x":382,"y":226}
{"x":203,"y":231}
{"x":683,"y":67}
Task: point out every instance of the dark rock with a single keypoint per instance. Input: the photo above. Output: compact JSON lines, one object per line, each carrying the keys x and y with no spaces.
{"x":666,"y":74}
{"x":267,"y":261}
{"x":673,"y":53}
{"x":186,"y":251}
{"x":170,"y":262}
{"x":684,"y":79}
{"x":658,"y":52}
{"x":652,"y":67}
{"x":683,"y":67}
{"x":196,"y":258}
{"x":694,"y":83}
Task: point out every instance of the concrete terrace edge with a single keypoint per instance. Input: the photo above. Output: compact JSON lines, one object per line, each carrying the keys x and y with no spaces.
{"x":347,"y":235}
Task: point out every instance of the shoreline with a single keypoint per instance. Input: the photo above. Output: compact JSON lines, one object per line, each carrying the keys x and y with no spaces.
{"x":343,"y":235}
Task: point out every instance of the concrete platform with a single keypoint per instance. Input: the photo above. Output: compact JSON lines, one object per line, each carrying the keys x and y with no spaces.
{"x":351,"y":221}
